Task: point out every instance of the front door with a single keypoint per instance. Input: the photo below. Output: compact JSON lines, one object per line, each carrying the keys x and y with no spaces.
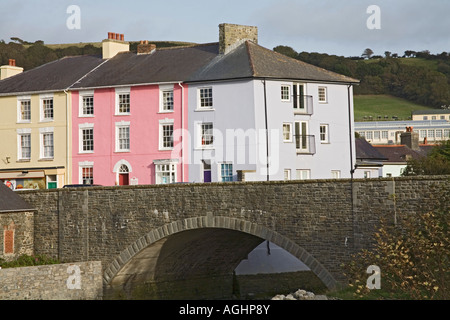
{"x":124,"y":179}
{"x":207,"y":171}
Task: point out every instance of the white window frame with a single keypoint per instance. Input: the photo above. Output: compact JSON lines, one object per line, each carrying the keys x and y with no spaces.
{"x":82,"y":96}
{"x":81,"y":128}
{"x":162,"y":105}
{"x":287,"y":174}
{"x":303,"y":174}
{"x":326,"y":134}
{"x":199,"y":99}
{"x":43,"y":97}
{"x":300,"y":145}
{"x":118,"y":93}
{"x":200,"y":135}
{"x":222,"y":177}
{"x":20,"y":134}
{"x":289,"y":131}
{"x":299,"y":98}
{"x":122,"y":125}
{"x":322,"y":97}
{"x":162,"y":124}
{"x":85,"y":165}
{"x":42,"y":133}
{"x":335,"y":174}
{"x":159,"y":172}
{"x":19,"y":109}
{"x":285,"y":91}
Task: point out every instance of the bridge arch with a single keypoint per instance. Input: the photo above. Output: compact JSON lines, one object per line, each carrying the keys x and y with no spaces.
{"x":215,"y":222}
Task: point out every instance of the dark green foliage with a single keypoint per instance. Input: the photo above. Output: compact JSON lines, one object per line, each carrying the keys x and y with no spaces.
{"x":436,"y":163}
{"x":424,"y":78}
{"x":28,"y":261}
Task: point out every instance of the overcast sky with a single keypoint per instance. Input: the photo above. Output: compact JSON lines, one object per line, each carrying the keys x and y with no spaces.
{"x":326,"y":26}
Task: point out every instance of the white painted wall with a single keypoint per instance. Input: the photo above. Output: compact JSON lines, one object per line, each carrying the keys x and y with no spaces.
{"x":239,"y":107}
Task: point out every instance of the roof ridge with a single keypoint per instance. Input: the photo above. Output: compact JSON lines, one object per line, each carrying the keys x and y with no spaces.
{"x":187,"y":46}
{"x":250,"y":60}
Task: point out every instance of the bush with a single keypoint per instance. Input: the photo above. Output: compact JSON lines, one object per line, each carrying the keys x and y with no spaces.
{"x":413,"y":257}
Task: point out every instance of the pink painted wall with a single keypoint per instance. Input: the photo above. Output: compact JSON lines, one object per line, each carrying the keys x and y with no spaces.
{"x":144,"y":134}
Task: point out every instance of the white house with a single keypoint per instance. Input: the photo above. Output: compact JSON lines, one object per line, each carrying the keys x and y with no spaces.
{"x":257,"y":115}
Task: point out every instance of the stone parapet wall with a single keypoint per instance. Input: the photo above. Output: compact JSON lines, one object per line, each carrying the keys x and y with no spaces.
{"x":74,"y":281}
{"x":322,"y":222}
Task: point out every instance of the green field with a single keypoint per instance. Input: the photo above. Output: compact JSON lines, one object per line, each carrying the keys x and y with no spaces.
{"x":384,"y":107}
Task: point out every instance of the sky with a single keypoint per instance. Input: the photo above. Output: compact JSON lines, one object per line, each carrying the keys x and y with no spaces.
{"x":338,"y":27}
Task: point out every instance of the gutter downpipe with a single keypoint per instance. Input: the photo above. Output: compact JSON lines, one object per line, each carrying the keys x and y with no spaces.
{"x":182,"y":131}
{"x":352,"y":169}
{"x":267,"y":129}
{"x":68,"y":177}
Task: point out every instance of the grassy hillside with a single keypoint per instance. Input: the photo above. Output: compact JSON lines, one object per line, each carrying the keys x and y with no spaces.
{"x":384,"y":105}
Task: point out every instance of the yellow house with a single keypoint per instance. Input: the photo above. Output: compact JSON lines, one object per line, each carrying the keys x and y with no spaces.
{"x":35,"y":109}
{"x":437,"y":114}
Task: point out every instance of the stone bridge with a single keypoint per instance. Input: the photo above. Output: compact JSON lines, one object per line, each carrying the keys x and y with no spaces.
{"x":183,"y":234}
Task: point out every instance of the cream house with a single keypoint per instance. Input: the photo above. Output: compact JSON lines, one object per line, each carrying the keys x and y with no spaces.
{"x":34,"y":123}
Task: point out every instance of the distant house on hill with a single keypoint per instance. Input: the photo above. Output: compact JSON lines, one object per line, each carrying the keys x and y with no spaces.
{"x":438,"y":114}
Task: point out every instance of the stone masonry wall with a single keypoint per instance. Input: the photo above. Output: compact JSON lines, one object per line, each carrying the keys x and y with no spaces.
{"x":16,"y":234}
{"x":77,"y":281}
{"x":231,"y":35}
{"x":330,"y":219}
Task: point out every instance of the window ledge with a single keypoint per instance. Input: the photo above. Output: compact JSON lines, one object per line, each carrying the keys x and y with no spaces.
{"x":204,"y":110}
{"x":166,"y":111}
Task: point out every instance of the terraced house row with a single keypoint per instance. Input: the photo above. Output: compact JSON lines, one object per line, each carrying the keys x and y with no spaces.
{"x":217,"y":112}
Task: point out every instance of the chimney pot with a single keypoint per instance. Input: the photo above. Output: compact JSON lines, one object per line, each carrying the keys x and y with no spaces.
{"x":122,"y":37}
{"x":12,"y":62}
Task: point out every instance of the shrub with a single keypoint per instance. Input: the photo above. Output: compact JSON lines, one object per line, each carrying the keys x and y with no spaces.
{"x":413,"y":257}
{"x":28,"y":261}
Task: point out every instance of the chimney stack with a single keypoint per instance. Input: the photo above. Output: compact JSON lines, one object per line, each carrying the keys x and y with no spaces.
{"x":145,"y":48}
{"x":232,"y":35}
{"x":10,"y":69}
{"x":410,"y":138}
{"x":114,"y":45}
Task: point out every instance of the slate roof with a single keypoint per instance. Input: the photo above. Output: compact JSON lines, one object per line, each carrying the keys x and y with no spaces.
{"x":50,"y":77}
{"x":399,"y":153}
{"x":365,"y":151}
{"x":194,"y":63}
{"x":175,"y":64}
{"x":12,"y":202}
{"x":431,"y":111}
{"x":255,"y":61}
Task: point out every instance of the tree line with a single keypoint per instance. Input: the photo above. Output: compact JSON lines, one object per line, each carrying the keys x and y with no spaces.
{"x":426,"y":84}
{"x":423,"y":83}
{"x":29,"y":55}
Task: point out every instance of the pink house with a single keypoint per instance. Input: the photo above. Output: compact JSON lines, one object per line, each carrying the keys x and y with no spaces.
{"x":129,"y":116}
